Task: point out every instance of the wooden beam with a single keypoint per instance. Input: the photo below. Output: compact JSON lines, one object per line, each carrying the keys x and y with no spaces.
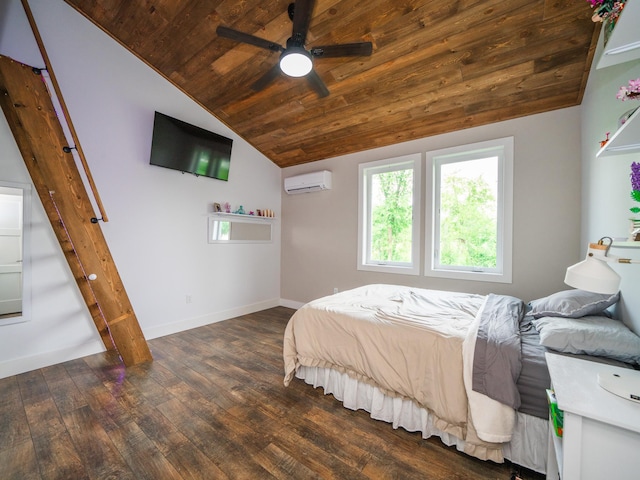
{"x":40,"y":138}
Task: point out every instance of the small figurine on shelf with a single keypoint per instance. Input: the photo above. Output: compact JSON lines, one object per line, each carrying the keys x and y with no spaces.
{"x":250,"y":212}
{"x":605,"y":141}
{"x":258,"y":212}
{"x":227,"y":207}
{"x":240,"y":210}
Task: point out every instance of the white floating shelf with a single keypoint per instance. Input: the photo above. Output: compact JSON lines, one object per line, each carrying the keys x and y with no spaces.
{"x":626,"y":244}
{"x":243,"y":216}
{"x":624,"y":140}
{"x":624,"y":42}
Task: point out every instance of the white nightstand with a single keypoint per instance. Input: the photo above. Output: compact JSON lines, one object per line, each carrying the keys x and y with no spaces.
{"x":601,"y":437}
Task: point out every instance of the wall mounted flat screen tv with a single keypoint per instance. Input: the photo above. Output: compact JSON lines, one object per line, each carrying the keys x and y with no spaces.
{"x":187,"y":148}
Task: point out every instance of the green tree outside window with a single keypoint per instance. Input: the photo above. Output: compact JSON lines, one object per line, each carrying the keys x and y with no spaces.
{"x":391,"y":216}
{"x":468,"y":221}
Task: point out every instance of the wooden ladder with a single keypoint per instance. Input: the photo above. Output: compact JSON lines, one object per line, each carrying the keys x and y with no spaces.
{"x":32,"y":118}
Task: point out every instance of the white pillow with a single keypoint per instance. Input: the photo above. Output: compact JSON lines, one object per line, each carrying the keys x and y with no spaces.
{"x":591,"y":335}
{"x":572,"y":303}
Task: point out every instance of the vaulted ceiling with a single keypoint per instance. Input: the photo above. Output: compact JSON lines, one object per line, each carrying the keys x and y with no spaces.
{"x":436,"y":67}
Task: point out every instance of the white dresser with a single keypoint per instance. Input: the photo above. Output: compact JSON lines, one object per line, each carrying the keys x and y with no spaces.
{"x":601,"y":437}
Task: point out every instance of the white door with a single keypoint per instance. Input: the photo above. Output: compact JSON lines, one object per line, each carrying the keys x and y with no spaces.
{"x":10,"y":250}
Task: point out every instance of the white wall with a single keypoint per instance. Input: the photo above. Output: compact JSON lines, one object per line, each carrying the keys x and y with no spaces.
{"x":319,"y":241}
{"x":605,"y":181}
{"x":157,"y":217}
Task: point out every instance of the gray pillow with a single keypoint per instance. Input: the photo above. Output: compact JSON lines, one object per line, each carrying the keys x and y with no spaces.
{"x":572,"y":304}
{"x":591,"y":335}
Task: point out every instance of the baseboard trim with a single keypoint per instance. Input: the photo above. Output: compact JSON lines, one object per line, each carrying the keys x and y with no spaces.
{"x":195,"y":322}
{"x":290,"y":303}
{"x":16,"y":366}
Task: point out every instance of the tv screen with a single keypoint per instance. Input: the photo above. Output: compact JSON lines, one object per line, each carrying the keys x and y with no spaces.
{"x":187,"y":148}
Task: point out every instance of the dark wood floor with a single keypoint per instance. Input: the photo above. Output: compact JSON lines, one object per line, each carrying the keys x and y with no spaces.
{"x":211,"y":406}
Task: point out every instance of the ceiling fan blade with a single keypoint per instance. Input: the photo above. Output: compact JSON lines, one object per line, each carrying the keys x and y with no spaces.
{"x":317,"y":84}
{"x":247,"y":38}
{"x":267,"y":78}
{"x":360,"y":49}
{"x":301,"y":19}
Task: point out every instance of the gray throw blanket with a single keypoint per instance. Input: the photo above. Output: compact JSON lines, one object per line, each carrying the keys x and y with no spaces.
{"x":497,"y":359}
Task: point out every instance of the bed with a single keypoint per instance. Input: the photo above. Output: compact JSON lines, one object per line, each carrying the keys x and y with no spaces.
{"x":466,"y":368}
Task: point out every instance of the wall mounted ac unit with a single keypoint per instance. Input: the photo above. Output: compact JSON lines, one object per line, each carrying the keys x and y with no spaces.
{"x":308,"y":182}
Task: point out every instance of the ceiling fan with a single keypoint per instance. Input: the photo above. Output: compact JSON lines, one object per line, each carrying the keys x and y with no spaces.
{"x":295,"y":59}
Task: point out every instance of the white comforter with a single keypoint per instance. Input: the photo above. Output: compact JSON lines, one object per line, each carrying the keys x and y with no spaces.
{"x":409,"y":342}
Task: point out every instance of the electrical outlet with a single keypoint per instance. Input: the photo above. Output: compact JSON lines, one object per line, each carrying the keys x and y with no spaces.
{"x":335,"y":289}
{"x":188,"y":298}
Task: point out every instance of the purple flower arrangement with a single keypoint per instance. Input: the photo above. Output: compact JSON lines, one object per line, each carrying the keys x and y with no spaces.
{"x":635,"y":185}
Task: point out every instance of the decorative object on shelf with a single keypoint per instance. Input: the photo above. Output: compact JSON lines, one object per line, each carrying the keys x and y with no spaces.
{"x":226,"y":209}
{"x":593,"y":274}
{"x":608,"y":12}
{"x":634,"y":230}
{"x":625,"y":116}
{"x":625,"y":139}
{"x":604,"y":142}
{"x":635,"y":185}
{"x":630,"y":92}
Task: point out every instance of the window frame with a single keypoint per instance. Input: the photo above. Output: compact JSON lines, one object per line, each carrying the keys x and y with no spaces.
{"x":504,"y":149}
{"x":365,"y":172}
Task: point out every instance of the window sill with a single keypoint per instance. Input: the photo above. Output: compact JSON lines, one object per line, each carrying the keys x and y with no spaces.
{"x":474,"y":276}
{"x":389,"y":269}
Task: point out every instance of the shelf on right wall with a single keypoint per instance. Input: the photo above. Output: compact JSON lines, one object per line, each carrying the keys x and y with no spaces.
{"x":624,"y":43}
{"x":623,"y":46}
{"x":624,"y":140}
{"x":626,"y":244}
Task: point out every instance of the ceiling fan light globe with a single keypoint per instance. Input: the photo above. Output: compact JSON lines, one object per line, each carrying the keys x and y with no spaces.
{"x":296,"y":63}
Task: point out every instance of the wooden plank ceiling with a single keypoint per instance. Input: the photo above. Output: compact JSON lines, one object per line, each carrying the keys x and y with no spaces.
{"x":436,"y":67}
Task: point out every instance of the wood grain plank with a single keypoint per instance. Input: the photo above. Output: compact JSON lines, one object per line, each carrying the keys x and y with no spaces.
{"x":195,"y":465}
{"x":58,"y":458}
{"x":18,"y":462}
{"x":162,"y":432}
{"x":13,"y":420}
{"x":284,"y":466}
{"x":94,"y":446}
{"x":63,"y":390}
{"x":230,"y":457}
{"x":44,"y":418}
{"x":141,"y":454}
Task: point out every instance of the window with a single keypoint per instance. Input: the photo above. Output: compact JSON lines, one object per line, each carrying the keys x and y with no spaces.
{"x":471,"y":211}
{"x":389,"y":215}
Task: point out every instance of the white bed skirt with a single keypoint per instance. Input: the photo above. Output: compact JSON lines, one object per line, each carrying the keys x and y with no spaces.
{"x":528,"y":447}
